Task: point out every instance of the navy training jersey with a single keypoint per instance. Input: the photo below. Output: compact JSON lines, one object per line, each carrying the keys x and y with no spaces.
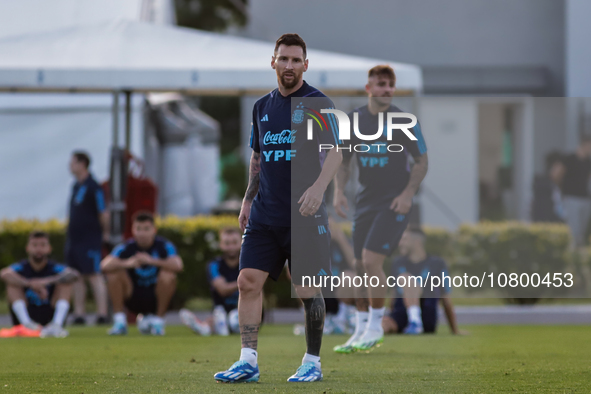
{"x":431,"y":266}
{"x":86,"y":203}
{"x":145,"y":275}
{"x":383,"y":175}
{"x":281,"y":146}
{"x":218,"y":268}
{"x":25,"y":269}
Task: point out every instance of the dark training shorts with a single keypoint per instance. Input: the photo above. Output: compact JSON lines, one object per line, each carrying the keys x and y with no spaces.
{"x":143,"y":300}
{"x":428,"y":310}
{"x":40,"y":314}
{"x":378,"y":231}
{"x":84,"y":259}
{"x":266,"y":248}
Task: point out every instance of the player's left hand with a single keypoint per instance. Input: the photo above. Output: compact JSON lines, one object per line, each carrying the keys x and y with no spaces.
{"x":311,"y":199}
{"x":39,"y":287}
{"x":402,"y":203}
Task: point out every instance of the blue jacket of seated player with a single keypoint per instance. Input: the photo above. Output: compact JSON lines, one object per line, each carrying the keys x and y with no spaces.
{"x":383,"y":175}
{"x":216,"y":269}
{"x":24,"y":269}
{"x":145,"y":275}
{"x":279,"y":134}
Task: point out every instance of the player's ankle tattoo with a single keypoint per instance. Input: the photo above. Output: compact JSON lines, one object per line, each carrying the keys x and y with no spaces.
{"x":315,"y":313}
{"x":250,"y":335}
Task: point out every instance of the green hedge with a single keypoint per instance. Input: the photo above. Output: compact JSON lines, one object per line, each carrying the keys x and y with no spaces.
{"x":491,"y":247}
{"x":195,"y":238}
{"x":512,"y":247}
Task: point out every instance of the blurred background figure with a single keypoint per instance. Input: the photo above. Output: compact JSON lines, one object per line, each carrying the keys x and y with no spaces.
{"x":222,"y":274}
{"x":575,"y":188}
{"x":88,"y":226}
{"x":142,"y":277}
{"x":39,"y":290}
{"x":414,"y":309}
{"x":548,"y":204}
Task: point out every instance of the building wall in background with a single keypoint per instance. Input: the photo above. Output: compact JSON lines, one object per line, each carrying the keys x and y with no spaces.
{"x":435,"y":34}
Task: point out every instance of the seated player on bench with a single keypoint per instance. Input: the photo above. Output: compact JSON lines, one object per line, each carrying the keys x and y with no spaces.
{"x":222,"y":275}
{"x":39,"y":290}
{"x":414,"y":311}
{"x":141,"y":275}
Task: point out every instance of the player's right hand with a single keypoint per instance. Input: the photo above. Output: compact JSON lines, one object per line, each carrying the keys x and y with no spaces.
{"x":132,"y":262}
{"x":340,"y":203}
{"x":244,"y":214}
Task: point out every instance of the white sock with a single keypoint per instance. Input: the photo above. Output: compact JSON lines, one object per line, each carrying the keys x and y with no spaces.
{"x":120,"y":318}
{"x":62,"y":307}
{"x":375,"y":318}
{"x":308,"y":358}
{"x":19,"y":307}
{"x":414,"y":314}
{"x":342,"y":314}
{"x":362,"y":320}
{"x":249,"y":355}
{"x":157,"y":319}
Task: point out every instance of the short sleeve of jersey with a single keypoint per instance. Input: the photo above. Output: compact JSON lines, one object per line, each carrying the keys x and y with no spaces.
{"x":100,"y":200}
{"x":170,"y":249}
{"x":254,"y":132}
{"x":17,"y":267}
{"x":120,"y":251}
{"x":213,"y":270}
{"x":329,"y":125}
{"x":57,"y":268}
{"x":417,"y":148}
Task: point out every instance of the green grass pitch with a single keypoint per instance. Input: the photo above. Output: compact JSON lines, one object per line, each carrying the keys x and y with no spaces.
{"x":492,"y":359}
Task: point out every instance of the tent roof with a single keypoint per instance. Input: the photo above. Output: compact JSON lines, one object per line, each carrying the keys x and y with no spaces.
{"x":140,"y":56}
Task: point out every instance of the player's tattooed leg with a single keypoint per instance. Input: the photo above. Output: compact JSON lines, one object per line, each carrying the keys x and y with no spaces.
{"x":250,"y":335}
{"x":315,"y":310}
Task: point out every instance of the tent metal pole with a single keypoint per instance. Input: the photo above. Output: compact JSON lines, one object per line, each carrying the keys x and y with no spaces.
{"x":116,"y":118}
{"x":128,"y":120}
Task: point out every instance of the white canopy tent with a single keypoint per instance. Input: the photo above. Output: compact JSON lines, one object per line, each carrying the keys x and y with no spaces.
{"x":138,"y":56}
{"x":126,"y":57}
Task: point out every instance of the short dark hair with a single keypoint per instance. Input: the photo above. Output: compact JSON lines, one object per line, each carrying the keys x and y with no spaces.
{"x":382,"y":70}
{"x":143,"y":216}
{"x":416,"y":230}
{"x":290,"y":39}
{"x":37,"y":234}
{"x":83,"y":157}
{"x":230,"y":230}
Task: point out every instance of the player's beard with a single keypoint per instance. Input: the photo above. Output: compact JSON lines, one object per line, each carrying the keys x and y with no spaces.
{"x":38,"y":258}
{"x":294,"y":81}
{"x":231,"y":255}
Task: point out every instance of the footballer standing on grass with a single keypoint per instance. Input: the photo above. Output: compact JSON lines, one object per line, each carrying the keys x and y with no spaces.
{"x":276,"y":207}
{"x":383,"y":201}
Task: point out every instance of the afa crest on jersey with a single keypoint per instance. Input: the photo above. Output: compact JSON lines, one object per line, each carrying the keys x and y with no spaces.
{"x":298,"y":116}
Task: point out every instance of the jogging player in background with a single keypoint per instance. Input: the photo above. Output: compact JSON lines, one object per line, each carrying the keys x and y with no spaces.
{"x":39,"y":289}
{"x":383,"y":201}
{"x":141,"y":275}
{"x":414,"y":309}
{"x":88,"y":227}
{"x":273,"y":199}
